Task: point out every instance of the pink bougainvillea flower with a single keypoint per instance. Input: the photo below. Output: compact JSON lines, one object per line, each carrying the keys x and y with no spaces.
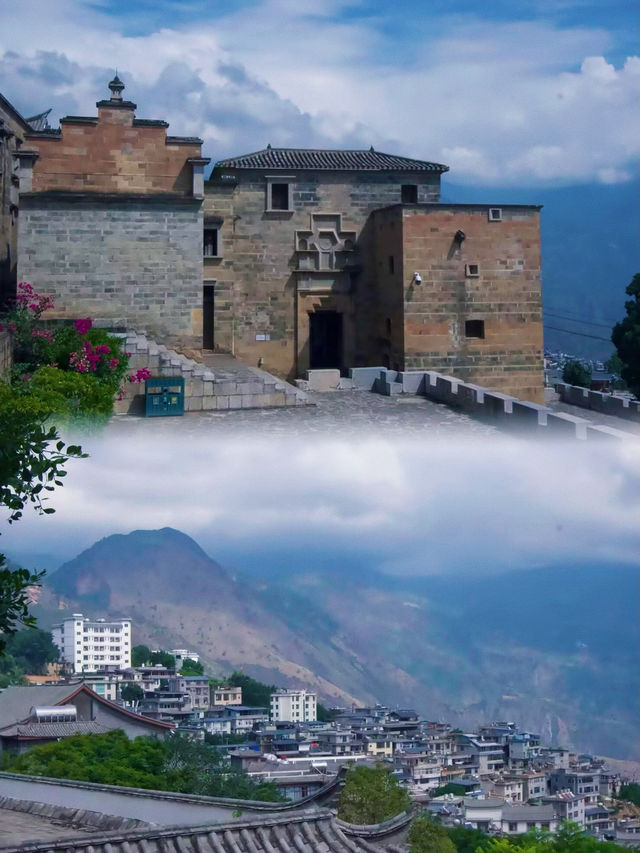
{"x":83,"y":325}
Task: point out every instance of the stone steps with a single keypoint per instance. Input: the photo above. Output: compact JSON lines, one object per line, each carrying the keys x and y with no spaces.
{"x":205,"y":389}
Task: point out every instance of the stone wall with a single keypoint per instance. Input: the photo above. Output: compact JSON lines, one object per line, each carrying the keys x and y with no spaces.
{"x":12,"y":130}
{"x":6,"y":353}
{"x":608,"y":404}
{"x":260,"y":313}
{"x":490,"y":273}
{"x":124,"y":263}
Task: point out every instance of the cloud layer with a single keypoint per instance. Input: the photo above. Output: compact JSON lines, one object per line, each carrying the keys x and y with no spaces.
{"x":513,"y":101}
{"x":409,"y":507}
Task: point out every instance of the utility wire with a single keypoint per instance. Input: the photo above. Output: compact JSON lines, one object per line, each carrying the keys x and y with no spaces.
{"x":575,"y":316}
{"x":580,"y":334}
{"x":571,"y":320}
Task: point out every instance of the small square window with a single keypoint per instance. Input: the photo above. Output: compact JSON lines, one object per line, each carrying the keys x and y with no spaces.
{"x":279,"y":197}
{"x":472,"y":270}
{"x":474,"y":329}
{"x":409,"y":194}
{"x":495,"y":214}
{"x":210,"y":243}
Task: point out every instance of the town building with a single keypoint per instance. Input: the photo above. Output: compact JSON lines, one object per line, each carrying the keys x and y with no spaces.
{"x":181,"y":655}
{"x":296,"y":706}
{"x":226,"y":696}
{"x":88,"y":645}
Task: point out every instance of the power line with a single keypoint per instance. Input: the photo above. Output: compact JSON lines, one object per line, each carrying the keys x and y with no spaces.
{"x":572,"y":315}
{"x":580,"y":334}
{"x":571,"y":320}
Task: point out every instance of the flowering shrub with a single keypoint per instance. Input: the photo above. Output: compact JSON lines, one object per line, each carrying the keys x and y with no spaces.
{"x":45,"y":361}
{"x":140,"y":375}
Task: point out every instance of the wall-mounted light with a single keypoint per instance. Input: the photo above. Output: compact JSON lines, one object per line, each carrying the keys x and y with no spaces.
{"x":417,"y":278}
{"x":460,"y":237}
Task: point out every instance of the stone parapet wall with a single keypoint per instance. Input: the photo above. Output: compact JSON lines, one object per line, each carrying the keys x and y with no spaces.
{"x":72,"y":816}
{"x":598,"y":401}
{"x":205,"y":389}
{"x":502,"y":410}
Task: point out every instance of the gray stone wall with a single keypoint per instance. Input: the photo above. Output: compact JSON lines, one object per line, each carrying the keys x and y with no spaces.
{"x":121,"y":262}
{"x":254,"y":276}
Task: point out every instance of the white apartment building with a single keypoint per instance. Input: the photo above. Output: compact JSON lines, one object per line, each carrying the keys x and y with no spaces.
{"x":88,"y":645}
{"x":293,"y":706}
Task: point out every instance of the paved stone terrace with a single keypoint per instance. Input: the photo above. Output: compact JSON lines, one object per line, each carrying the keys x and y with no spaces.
{"x":332,"y":413}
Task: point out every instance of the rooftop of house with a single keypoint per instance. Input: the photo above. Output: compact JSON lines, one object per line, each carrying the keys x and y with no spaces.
{"x":366,"y":160}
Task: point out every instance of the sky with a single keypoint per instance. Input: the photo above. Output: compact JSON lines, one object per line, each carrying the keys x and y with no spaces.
{"x":528,"y":92}
{"x":401,"y":507}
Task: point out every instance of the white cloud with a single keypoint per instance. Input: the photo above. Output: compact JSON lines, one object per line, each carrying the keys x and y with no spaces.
{"x":403,"y":507}
{"x":515,"y":102}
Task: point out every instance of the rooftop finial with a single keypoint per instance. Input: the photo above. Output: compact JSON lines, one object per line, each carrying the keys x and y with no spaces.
{"x":116,"y":86}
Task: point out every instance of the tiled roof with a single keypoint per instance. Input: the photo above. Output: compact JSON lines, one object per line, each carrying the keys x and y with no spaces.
{"x":53,"y":730}
{"x":304,"y":833}
{"x":328,"y":160}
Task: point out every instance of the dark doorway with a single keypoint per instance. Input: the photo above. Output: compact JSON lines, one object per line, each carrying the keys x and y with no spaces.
{"x":325,"y":340}
{"x":207,"y":316}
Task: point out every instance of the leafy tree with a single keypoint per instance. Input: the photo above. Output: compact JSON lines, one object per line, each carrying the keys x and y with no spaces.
{"x":191,"y":667}
{"x":32,"y":460}
{"x":630,"y":793}
{"x":575,"y":373}
{"x":449,"y":788}
{"x":140,"y":655}
{"x":33,"y":649}
{"x":10,"y":672}
{"x":253,"y":692}
{"x":131,"y":693}
{"x":425,"y":836}
{"x":466,"y":840}
{"x":224,"y":739}
{"x":626,"y":337}
{"x":371,"y":795}
{"x":162,"y":658}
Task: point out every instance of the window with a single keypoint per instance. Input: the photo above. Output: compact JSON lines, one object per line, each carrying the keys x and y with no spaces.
{"x":210,"y":244}
{"x":495,"y":214}
{"x":474,"y":329}
{"x":472,"y":270}
{"x":392,"y":264}
{"x":278,"y":196}
{"x":409,"y":194}
{"x":513,"y":827}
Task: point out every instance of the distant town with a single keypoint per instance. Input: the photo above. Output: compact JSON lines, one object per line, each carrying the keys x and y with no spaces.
{"x":498,"y":778}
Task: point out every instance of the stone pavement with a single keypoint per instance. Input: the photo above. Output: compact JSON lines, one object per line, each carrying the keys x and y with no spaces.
{"x":332,"y":413}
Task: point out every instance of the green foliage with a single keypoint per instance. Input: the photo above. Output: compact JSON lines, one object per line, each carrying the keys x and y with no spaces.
{"x":449,"y":788}
{"x":425,"y":836}
{"x":466,"y":840}
{"x":323,"y":713}
{"x":191,"y":667}
{"x":626,"y":338}
{"x":630,"y":793}
{"x":32,"y":650}
{"x":131,"y":693}
{"x":69,"y":395}
{"x":175,"y":764}
{"x":575,"y":373}
{"x":10,"y":672}
{"x":143,"y":656}
{"x":371,"y":795}
{"x":254,"y":692}
{"x":570,"y":838}
{"x":224,"y":740}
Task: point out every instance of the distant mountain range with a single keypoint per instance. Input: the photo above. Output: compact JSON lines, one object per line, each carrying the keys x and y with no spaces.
{"x":554,"y":649}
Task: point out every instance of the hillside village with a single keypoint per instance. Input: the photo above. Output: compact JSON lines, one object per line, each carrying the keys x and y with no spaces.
{"x":497,"y":779}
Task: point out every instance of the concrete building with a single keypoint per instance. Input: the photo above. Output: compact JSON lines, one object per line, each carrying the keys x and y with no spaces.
{"x":295,"y":706}
{"x":88,"y":645}
{"x":183,"y":654}
{"x":226,"y":696}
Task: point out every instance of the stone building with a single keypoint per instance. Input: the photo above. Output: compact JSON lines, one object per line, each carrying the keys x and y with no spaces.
{"x":111,"y":221}
{"x":316,"y":259}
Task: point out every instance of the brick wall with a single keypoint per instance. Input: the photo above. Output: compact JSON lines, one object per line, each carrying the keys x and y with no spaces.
{"x":505,"y":295}
{"x":131,"y":264}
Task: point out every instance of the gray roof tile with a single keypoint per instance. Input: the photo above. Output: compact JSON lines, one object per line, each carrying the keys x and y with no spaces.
{"x":328,"y":160}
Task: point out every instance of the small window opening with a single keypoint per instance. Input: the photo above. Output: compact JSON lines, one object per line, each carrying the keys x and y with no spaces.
{"x":388,"y":326}
{"x":392,"y":264}
{"x":409,"y":194}
{"x":495,"y":214}
{"x":279,"y":196}
{"x":472,"y":270}
{"x":474,"y":329}
{"x":210,"y":242}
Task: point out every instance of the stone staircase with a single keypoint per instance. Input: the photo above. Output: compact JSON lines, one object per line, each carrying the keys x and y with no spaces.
{"x":236,"y":386}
